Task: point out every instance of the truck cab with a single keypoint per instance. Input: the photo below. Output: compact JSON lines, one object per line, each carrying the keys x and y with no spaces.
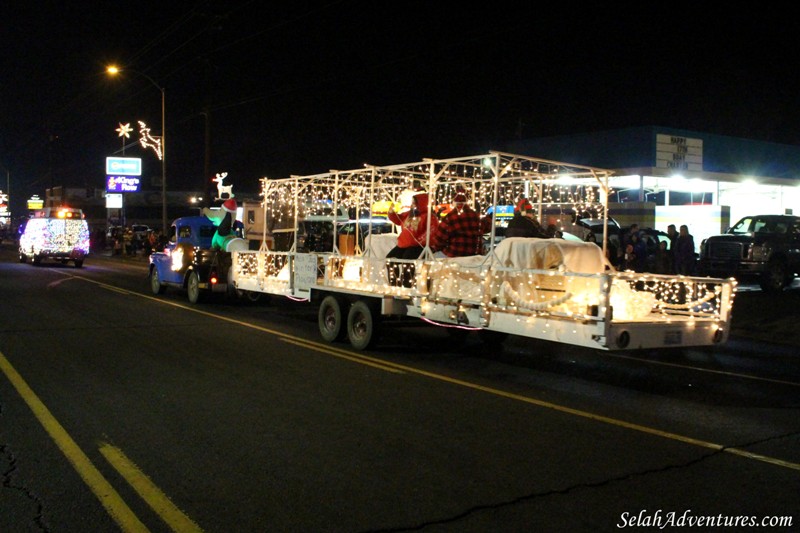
{"x":762,"y":248}
{"x":189,"y":262}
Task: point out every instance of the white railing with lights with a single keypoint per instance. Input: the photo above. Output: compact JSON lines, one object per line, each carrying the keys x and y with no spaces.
{"x":551,"y":289}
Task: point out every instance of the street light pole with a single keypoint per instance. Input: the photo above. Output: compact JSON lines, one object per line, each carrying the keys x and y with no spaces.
{"x":112,"y":70}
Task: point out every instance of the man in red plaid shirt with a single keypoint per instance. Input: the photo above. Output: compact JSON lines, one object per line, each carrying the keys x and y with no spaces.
{"x":459,"y":233}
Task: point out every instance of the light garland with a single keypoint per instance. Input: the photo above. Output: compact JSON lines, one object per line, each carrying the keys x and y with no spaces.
{"x":553,"y":188}
{"x":148,"y":141}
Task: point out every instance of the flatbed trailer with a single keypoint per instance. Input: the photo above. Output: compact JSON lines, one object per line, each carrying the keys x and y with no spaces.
{"x":550,"y":289}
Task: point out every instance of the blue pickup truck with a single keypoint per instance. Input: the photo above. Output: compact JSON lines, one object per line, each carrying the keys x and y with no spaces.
{"x":190,"y":262}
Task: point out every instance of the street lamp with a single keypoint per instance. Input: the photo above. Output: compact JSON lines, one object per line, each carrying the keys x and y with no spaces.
{"x":113,"y":71}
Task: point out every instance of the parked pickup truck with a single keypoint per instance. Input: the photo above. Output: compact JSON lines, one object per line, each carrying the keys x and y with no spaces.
{"x":189,"y":261}
{"x":763,"y":248}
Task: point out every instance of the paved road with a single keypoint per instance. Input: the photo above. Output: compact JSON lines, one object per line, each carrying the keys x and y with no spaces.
{"x":228,"y":417}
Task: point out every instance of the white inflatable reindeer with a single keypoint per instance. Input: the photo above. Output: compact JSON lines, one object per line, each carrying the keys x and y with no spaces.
{"x":223,"y":189}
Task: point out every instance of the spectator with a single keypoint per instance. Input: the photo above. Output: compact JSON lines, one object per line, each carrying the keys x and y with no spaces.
{"x":672,"y":233}
{"x":459,"y":232}
{"x":640,"y":249}
{"x":411,"y":241}
{"x":625,"y":238}
{"x":662,"y":260}
{"x":628,"y":258}
{"x":684,"y":252}
{"x":524,"y":223}
{"x":127,"y":241}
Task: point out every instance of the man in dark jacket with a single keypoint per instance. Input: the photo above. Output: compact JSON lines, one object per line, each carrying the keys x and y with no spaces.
{"x":524,"y":223}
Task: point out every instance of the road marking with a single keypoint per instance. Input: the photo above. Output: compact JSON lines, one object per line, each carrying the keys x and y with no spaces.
{"x":497,"y":392}
{"x":149,"y":492}
{"x":699,"y":369}
{"x":102,"y":489}
{"x":342,"y":354}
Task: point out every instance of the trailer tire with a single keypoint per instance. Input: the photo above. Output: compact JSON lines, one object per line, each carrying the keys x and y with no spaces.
{"x":362,"y":325}
{"x":331,"y":319}
{"x":193,"y":290}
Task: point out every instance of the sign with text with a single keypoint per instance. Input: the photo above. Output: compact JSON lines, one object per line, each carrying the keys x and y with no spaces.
{"x":34,"y":202}
{"x":124,"y":166}
{"x":123,"y":184}
{"x":679,"y":153}
{"x":113,"y":201}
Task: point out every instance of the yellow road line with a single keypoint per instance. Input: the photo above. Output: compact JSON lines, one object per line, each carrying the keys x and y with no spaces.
{"x":341,"y":354}
{"x":102,"y":489}
{"x":149,"y":492}
{"x":704,"y":370}
{"x":497,"y":392}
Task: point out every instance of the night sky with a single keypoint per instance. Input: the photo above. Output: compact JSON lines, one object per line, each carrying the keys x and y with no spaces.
{"x":310,"y":87}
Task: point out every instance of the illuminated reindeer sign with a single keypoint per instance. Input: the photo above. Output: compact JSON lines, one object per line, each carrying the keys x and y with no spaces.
{"x":222,"y":189}
{"x":148,"y":141}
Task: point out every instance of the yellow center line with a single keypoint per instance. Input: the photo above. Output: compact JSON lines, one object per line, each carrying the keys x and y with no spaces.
{"x":341,"y":354}
{"x":704,"y":370}
{"x":497,"y":392}
{"x":149,"y":492}
{"x":102,"y":489}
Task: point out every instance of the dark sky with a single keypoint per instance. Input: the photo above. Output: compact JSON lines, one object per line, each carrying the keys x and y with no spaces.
{"x":309,"y":87}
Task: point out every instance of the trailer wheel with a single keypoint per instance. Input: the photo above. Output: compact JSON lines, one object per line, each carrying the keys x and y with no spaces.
{"x":79,"y":263}
{"x":193,"y":288}
{"x":362,"y":325}
{"x":331,"y":320}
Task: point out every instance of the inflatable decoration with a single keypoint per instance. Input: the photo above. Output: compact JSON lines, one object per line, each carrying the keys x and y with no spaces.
{"x":225,"y":238}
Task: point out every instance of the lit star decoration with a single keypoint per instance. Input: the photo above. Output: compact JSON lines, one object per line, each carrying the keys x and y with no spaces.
{"x":148,"y":141}
{"x":124,"y":130}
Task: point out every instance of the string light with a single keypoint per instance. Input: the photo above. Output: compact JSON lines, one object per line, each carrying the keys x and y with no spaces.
{"x":478,"y":286}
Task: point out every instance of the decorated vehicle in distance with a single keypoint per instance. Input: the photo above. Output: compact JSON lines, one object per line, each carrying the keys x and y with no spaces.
{"x":197,"y":257}
{"x":763,"y":248}
{"x":59,"y":233}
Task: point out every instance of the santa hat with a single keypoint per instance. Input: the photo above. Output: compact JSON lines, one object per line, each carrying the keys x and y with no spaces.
{"x":229,"y":206}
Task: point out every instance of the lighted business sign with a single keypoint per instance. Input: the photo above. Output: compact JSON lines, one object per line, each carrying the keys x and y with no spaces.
{"x":123,"y":166}
{"x":123,"y":184}
{"x":114,"y":201}
{"x":34,"y":202}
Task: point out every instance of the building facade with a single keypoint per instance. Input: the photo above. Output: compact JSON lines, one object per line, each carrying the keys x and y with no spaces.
{"x":671,"y":176}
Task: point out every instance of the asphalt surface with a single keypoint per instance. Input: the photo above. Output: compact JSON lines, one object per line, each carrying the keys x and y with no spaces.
{"x":756,"y":315}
